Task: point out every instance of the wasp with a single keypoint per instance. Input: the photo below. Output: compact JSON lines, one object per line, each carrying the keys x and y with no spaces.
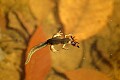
{"x":56,"y":39}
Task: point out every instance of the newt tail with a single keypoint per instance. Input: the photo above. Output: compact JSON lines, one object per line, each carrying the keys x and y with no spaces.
{"x":34,"y":49}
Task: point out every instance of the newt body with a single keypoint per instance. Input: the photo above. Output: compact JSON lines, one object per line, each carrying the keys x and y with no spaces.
{"x":55,"y":41}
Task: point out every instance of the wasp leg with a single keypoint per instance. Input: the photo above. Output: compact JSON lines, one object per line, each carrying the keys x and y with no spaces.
{"x":58,"y":34}
{"x":53,"y":49}
{"x":63,"y":47}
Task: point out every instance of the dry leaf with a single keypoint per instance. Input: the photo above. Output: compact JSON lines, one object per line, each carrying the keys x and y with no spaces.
{"x":40,"y":63}
{"x":84,"y":18}
{"x":2,"y":21}
{"x":40,"y":8}
{"x":86,"y":74}
{"x":68,"y":59}
{"x":27,"y":22}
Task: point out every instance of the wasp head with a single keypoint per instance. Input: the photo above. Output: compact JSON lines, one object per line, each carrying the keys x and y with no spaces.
{"x":74,"y":42}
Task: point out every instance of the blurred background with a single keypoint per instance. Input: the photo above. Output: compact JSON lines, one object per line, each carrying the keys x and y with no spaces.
{"x":94,"y":23}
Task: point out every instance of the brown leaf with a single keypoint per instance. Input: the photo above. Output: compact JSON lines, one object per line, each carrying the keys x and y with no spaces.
{"x":40,"y":8}
{"x":2,"y":21}
{"x":84,"y":18}
{"x":86,"y":74}
{"x":40,"y":63}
